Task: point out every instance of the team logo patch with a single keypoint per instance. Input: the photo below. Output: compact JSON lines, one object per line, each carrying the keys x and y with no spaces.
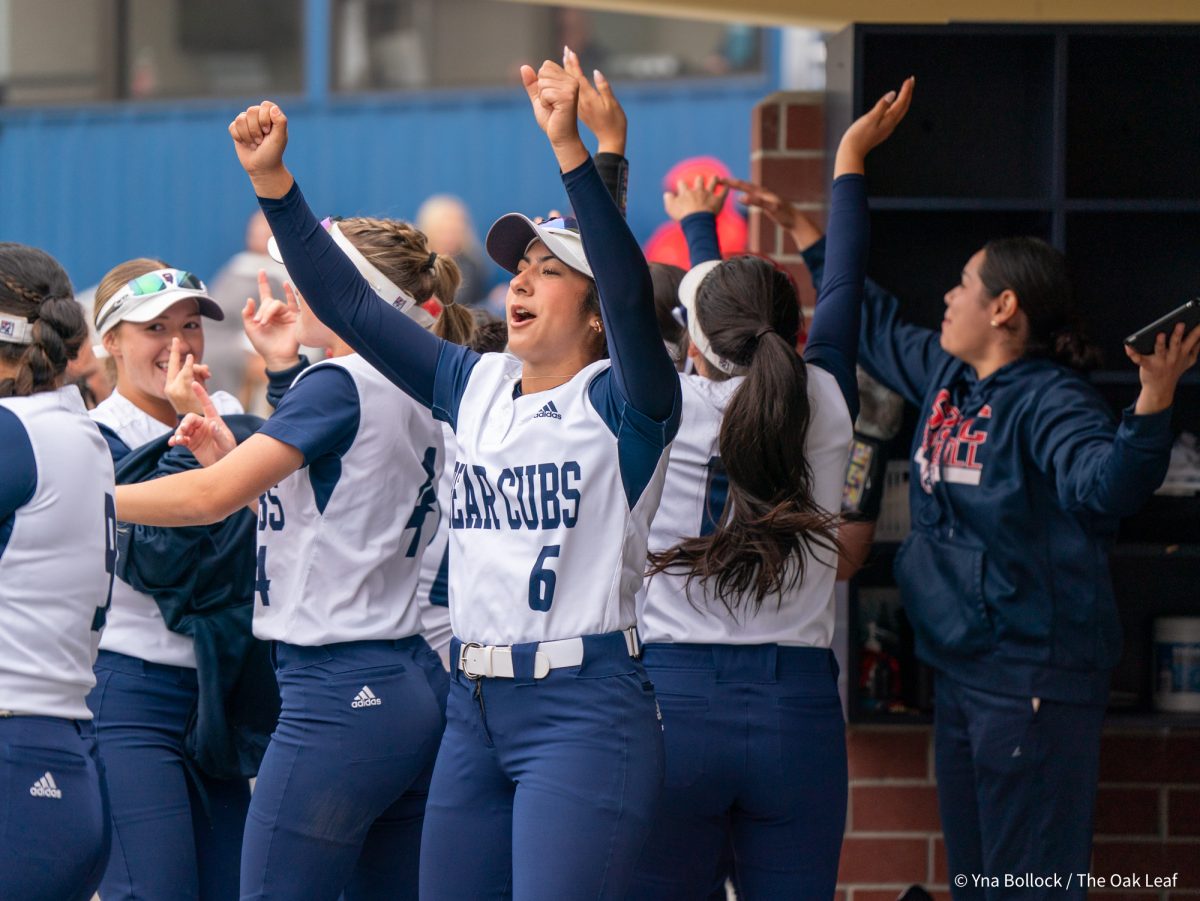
{"x":548,"y":412}
{"x":365,"y":698}
{"x":45,"y":788}
{"x":8,"y":327}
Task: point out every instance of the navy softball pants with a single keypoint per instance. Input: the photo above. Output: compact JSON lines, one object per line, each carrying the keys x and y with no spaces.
{"x":1016,"y":788}
{"x":176,"y":833}
{"x":756,"y":762}
{"x":54,"y":826}
{"x":340,"y":796}
{"x":544,"y":788}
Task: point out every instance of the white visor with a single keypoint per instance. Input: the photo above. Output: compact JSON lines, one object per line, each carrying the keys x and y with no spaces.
{"x":150,"y":295}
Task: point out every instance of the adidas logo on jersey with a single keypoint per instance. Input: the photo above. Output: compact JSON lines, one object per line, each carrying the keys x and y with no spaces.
{"x":45,"y":788}
{"x":548,"y":412}
{"x":365,"y":698}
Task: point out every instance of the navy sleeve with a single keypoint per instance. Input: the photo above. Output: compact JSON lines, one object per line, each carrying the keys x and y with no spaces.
{"x":614,"y":172}
{"x":319,"y":415}
{"x":1095,"y":467}
{"x":19,"y":465}
{"x":643,"y":374}
{"x":118,"y":448}
{"x":900,"y":355}
{"x":700,"y":230}
{"x":833,"y":335}
{"x":341,"y":298}
{"x":279,"y":381}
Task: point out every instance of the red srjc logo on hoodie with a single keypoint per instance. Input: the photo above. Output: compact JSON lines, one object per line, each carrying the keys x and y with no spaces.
{"x":950,"y":444}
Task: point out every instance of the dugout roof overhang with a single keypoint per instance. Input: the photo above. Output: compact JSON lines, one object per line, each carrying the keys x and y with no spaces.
{"x":834,"y":14}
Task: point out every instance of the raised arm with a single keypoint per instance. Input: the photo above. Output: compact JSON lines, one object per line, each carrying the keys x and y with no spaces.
{"x":833,"y":335}
{"x":695,"y":207}
{"x":339,"y":296}
{"x":600,"y":111}
{"x":642,"y":370}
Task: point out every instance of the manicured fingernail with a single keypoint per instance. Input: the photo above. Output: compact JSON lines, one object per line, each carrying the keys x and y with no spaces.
{"x":890,"y":96}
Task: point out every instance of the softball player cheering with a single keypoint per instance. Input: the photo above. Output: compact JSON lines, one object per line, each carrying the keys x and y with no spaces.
{"x":57,"y":550}
{"x":548,"y":777}
{"x":345,"y":476}
{"x":738,"y":616}
{"x":176,"y":830}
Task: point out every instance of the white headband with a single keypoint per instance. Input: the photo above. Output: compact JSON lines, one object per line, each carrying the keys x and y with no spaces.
{"x":15,"y":331}
{"x":689,"y":287}
{"x":380,"y":283}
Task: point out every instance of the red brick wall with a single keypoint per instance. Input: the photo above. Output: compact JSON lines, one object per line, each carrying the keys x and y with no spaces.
{"x":1148,"y":808}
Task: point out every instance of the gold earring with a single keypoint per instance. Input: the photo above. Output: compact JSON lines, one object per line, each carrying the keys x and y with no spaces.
{"x":597,"y":327}
{"x":994,"y":323}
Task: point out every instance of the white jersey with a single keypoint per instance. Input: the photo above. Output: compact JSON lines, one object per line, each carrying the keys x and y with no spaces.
{"x":56,"y":560}
{"x":339,"y":555}
{"x":547,"y":539}
{"x":692,"y":501}
{"x":433,"y":589}
{"x":135,"y":624}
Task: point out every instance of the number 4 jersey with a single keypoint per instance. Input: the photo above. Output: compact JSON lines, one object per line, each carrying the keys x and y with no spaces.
{"x":340,"y":541}
{"x":552,"y":500}
{"x":57,"y":552}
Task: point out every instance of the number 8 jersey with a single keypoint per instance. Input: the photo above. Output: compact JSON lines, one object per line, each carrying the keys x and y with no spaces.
{"x":551,"y":507}
{"x":340,"y":541}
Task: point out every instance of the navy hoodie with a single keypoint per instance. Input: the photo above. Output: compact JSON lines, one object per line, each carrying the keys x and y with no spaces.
{"x":1018,"y":481}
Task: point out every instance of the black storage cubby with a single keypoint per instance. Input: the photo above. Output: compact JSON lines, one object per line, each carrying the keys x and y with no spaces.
{"x":1088,"y":137}
{"x":994,"y":140}
{"x":1128,"y":269}
{"x":1128,"y":134}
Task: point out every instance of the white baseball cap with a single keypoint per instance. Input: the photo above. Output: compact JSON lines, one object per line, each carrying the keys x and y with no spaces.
{"x":688,"y":288}
{"x":510,"y":236}
{"x":149,"y":296}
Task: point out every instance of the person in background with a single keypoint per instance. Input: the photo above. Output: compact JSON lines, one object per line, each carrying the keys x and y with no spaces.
{"x":447,"y":225}
{"x":667,"y":244}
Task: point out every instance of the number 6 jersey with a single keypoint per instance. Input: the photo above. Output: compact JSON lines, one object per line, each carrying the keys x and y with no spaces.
{"x":340,"y":541}
{"x":552,"y":501}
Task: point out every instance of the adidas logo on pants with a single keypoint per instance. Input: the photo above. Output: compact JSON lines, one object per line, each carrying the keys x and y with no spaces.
{"x":365,"y":698}
{"x":45,"y":788}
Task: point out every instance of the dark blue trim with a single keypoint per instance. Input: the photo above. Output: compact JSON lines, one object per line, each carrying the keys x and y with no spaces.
{"x":116,"y":446}
{"x":19,"y":482}
{"x":640,"y":439}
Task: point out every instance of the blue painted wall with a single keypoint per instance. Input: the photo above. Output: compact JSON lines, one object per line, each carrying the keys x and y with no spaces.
{"x":97,"y":185}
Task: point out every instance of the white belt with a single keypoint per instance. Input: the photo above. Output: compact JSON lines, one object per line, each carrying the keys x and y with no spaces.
{"x":496,"y":661}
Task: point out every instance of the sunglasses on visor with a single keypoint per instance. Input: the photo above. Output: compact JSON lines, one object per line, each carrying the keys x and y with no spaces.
{"x":147,"y":286}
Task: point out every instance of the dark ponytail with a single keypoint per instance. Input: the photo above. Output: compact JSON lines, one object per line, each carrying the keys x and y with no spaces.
{"x":750,"y":313}
{"x":33,"y":286}
{"x":1037,"y":274}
